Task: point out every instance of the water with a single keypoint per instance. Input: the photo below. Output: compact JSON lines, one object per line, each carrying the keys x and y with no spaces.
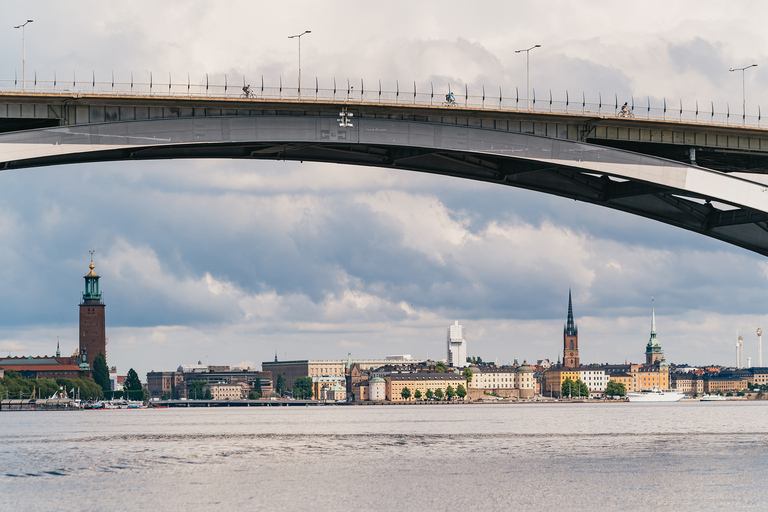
{"x":617,"y":456}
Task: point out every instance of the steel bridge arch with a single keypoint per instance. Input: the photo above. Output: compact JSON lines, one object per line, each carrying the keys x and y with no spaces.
{"x":709,"y":202}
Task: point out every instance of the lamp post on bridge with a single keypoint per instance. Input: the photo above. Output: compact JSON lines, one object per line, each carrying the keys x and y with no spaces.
{"x":743,"y":95}
{"x":527,"y":72}
{"x":298,"y":36}
{"x":23,"y":55}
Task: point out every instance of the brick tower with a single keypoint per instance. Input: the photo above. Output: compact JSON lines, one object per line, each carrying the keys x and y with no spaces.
{"x":570,"y":339}
{"x":93,"y":337}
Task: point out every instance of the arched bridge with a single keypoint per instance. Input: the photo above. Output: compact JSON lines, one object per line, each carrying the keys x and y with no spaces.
{"x":704,"y":177}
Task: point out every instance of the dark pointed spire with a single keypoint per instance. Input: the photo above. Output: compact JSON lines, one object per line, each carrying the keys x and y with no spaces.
{"x":570,"y":327}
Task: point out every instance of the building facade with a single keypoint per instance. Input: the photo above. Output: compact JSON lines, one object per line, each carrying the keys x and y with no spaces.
{"x":422,"y":382}
{"x":292,"y":370}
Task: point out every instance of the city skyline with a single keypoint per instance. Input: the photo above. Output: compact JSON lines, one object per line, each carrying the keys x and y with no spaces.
{"x":226,"y":262}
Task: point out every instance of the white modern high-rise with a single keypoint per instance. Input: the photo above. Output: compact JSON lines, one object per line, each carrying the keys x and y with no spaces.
{"x":759,"y":346}
{"x":457,"y":346}
{"x":739,"y":352}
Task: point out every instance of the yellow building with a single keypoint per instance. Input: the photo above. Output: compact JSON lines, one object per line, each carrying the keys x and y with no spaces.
{"x":555,"y":376}
{"x":623,"y":378}
{"x":422,"y":382}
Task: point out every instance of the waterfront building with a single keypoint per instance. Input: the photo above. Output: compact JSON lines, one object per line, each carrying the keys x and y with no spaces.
{"x":419,"y":381}
{"x":93,"y":338}
{"x":325,"y":382}
{"x":378,"y":389}
{"x":570,"y":338}
{"x":227,"y":391}
{"x":43,"y":367}
{"x":361,"y":391}
{"x":292,"y":370}
{"x":644,"y":376}
{"x":717,"y":383}
{"x":335,"y":392}
{"x":622,"y":378}
{"x":526,"y":381}
{"x":457,"y":346}
{"x":687,"y":382}
{"x":758,"y":376}
{"x":595,"y":378}
{"x":225,"y":375}
{"x":503,"y":381}
{"x":165,"y":384}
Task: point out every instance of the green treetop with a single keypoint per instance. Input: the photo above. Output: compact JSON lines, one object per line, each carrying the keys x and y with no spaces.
{"x":101,"y":372}
{"x":302,"y":388}
{"x":132,"y":382}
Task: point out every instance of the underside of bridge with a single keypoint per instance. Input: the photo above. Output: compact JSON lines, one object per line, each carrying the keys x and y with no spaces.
{"x":739,"y":226}
{"x":664,"y":182}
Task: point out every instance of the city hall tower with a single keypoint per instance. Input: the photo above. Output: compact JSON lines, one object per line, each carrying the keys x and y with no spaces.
{"x":93,"y":338}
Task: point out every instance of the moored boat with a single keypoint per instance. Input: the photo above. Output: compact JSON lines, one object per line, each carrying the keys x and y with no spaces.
{"x":655,"y":395}
{"x":711,"y":398}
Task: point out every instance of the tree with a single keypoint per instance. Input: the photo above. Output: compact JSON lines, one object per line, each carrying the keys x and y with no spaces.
{"x":302,"y":388}
{"x":280,"y":385}
{"x":132,"y":381}
{"x":196,"y":389}
{"x":208,"y":395}
{"x":581,"y":388}
{"x":439,"y":394}
{"x":417,"y":394}
{"x":406,"y":393}
{"x":467,"y":374}
{"x":450,"y":392}
{"x":615,"y":389}
{"x":568,"y":388}
{"x":257,"y":386}
{"x":440,"y":367}
{"x":101,"y":372}
{"x":252,"y":395}
{"x":461,"y":392}
{"x":429,"y":394}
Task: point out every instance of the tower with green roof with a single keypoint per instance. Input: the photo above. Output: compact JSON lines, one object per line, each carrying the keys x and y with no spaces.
{"x":93,"y":338}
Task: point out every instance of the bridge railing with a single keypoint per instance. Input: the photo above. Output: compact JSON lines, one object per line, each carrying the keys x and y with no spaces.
{"x":372,"y":93}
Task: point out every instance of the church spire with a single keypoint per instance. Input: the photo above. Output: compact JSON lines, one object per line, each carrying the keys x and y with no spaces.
{"x":570,"y":326}
{"x":653,"y":341}
{"x":653,"y":352}
{"x":58,"y":351}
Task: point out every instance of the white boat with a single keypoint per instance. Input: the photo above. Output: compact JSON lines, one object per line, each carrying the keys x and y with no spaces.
{"x":711,"y":398}
{"x":655,"y":395}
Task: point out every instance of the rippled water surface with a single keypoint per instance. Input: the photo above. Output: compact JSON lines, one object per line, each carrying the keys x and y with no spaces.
{"x":615,"y":456}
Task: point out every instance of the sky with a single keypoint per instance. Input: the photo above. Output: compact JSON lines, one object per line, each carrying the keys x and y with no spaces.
{"x":231,"y":262}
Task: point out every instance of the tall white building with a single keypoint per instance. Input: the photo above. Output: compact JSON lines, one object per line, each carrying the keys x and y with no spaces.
{"x":457,"y":346}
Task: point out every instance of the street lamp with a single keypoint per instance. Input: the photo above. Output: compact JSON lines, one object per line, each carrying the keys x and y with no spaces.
{"x":298,"y":36}
{"x":743,"y":96}
{"x":23,"y":55}
{"x":527,"y":71}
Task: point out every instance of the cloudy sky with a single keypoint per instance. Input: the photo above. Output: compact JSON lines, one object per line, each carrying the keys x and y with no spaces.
{"x":228,"y":262}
